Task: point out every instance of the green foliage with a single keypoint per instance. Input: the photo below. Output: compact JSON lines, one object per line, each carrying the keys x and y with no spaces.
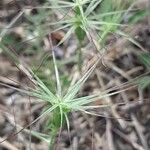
{"x":145,"y":58}
{"x":9,"y":39}
{"x":9,"y":53}
{"x":80,"y":33}
{"x":79,"y":23}
{"x":37,"y":28}
{"x":144,"y":82}
{"x":104,"y":17}
{"x":45,"y":72}
{"x":137,"y":16}
{"x":57,"y":104}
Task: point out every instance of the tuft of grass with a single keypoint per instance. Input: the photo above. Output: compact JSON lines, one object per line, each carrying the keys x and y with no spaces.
{"x":59,"y":105}
{"x":83,"y":17}
{"x":86,"y":16}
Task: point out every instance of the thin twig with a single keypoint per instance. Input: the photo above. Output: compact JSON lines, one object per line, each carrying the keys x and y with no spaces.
{"x":7,"y":145}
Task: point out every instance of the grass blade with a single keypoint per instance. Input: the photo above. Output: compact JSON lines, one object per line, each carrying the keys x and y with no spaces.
{"x":75,"y":88}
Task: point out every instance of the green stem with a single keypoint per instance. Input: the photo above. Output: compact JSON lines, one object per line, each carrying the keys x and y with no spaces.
{"x":80,"y":56}
{"x":56,"y":123}
{"x":53,"y":139}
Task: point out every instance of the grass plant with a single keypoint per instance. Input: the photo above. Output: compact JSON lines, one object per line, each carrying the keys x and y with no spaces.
{"x":59,"y":105}
{"x":82,"y":18}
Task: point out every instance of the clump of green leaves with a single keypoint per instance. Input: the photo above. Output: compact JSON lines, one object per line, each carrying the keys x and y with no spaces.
{"x":83,"y":19}
{"x":59,"y":103}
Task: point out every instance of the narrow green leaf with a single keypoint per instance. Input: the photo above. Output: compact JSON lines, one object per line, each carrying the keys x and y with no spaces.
{"x":59,"y":92}
{"x":130,"y":39}
{"x":145,"y":58}
{"x":93,"y":4}
{"x":72,"y":91}
{"x":144,"y":82}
